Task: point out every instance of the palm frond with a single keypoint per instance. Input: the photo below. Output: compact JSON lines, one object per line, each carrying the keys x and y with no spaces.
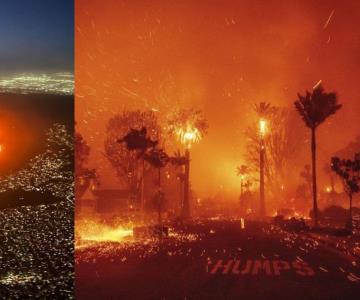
{"x":314,"y":108}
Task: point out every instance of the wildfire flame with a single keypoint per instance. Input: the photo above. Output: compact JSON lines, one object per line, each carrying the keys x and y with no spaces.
{"x":188,"y":135}
{"x":93,"y":231}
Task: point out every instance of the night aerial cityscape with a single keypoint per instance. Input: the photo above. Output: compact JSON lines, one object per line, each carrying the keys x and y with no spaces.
{"x":36,"y":150}
{"x":168,"y":149}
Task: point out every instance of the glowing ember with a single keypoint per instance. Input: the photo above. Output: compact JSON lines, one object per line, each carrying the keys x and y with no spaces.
{"x":317,"y":84}
{"x":242,"y":223}
{"x":96,"y":232}
{"x":188,"y":135}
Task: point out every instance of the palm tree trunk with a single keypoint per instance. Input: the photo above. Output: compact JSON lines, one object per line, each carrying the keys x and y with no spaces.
{"x":350,"y":212}
{"x":159,"y":202}
{"x":186,"y":204}
{"x":241,"y":188}
{"x":181,"y":180}
{"x":159,"y":178}
{"x":159,"y":215}
{"x":314,"y":187}
{"x":142,"y":199}
{"x":262,"y":183}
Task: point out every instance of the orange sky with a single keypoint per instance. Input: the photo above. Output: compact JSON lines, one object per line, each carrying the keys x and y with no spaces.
{"x":220,"y":56}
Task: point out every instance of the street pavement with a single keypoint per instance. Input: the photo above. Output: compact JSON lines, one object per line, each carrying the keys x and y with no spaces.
{"x":218,"y":259}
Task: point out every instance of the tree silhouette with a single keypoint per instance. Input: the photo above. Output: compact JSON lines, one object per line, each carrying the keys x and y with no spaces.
{"x":306,"y":175}
{"x":263,"y":109}
{"x":349,"y":171}
{"x":130,"y":130}
{"x":282,"y":143}
{"x":181,"y":120}
{"x":315,"y":108}
{"x":158,"y":159}
{"x":189,"y":125}
{"x":138,"y":140}
{"x":242,"y":171}
{"x":83,"y":175}
{"x":329,"y":172}
{"x":179,"y":161}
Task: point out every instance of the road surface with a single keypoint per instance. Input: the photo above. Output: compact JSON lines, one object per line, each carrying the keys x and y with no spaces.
{"x":216,"y":259}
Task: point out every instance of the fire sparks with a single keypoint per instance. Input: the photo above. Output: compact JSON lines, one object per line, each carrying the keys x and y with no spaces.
{"x":242,"y":223}
{"x":93,"y":231}
{"x":188,"y":135}
{"x":329,"y":19}
{"x":317,"y":84}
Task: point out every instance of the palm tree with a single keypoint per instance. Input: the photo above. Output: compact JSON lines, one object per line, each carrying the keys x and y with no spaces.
{"x":139,"y":141}
{"x":263,"y":110}
{"x":242,"y":171}
{"x":158,"y":159}
{"x":178,"y":161}
{"x":349,"y":172}
{"x":315,"y":108}
{"x":190,"y":126}
{"x":306,"y":175}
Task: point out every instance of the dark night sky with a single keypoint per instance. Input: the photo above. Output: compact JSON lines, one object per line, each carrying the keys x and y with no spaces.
{"x":36,"y":35}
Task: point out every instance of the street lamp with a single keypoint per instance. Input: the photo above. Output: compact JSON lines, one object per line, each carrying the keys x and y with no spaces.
{"x":262,"y":129}
{"x":242,"y":177}
{"x":187,"y":135}
{"x":242,"y":171}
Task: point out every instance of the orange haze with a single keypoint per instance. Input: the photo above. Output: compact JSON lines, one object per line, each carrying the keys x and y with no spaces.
{"x":220,"y":56}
